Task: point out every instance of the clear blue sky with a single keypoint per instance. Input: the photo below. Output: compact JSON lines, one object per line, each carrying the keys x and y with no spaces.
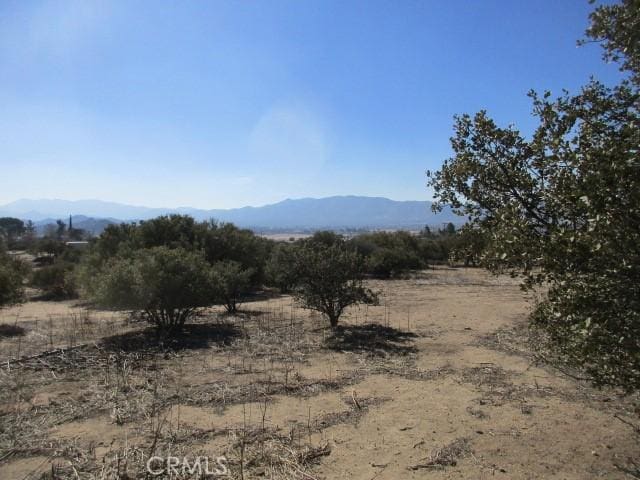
{"x":221,"y":104}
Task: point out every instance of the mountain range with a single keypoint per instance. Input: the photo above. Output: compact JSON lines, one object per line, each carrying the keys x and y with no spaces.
{"x":304,"y":213}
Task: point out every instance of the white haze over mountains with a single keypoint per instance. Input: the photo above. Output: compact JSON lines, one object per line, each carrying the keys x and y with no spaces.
{"x":311,"y":213}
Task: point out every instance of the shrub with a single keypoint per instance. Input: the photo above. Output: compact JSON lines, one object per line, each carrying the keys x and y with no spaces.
{"x":230,"y":282}
{"x":56,"y":280}
{"x":12,"y":229}
{"x":389,"y":253}
{"x":167,"y":286}
{"x":50,"y":246}
{"x":330,"y":279}
{"x":12,"y":274}
{"x":217,"y":241}
{"x":280,"y":268}
{"x":228,"y":242}
{"x":388,"y":262}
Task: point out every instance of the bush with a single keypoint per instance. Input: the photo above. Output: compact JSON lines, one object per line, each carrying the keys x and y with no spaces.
{"x":50,"y":246}
{"x":280,"y":268}
{"x":12,"y":229}
{"x":228,"y":242}
{"x":166,"y":286}
{"x":330,"y":279}
{"x":56,"y":280}
{"x":389,"y":253}
{"x":387,"y":262}
{"x":230,"y":282}
{"x":12,"y":274}
{"x":218,"y":241}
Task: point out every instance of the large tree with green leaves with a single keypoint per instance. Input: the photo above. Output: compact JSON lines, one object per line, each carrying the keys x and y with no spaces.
{"x":562,"y":207}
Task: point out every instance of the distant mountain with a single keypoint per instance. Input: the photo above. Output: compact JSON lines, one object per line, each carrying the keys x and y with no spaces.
{"x":43,"y":209}
{"x":303,"y":213}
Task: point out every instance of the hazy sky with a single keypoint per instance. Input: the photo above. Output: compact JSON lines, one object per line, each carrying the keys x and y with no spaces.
{"x":218,"y":104}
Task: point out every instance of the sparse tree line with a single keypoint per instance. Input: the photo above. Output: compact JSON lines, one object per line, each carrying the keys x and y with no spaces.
{"x":169,"y":267}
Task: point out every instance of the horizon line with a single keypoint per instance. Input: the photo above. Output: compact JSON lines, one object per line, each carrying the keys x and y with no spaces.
{"x":205,"y":209}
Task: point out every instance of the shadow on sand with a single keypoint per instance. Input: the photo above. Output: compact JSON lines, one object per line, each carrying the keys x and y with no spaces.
{"x":7,"y":330}
{"x":371,"y":338}
{"x":191,"y":337}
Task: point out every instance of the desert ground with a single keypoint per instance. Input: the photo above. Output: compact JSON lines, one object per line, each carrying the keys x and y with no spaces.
{"x":436,"y":382}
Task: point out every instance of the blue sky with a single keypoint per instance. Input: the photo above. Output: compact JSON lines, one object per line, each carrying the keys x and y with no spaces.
{"x":218,"y":104}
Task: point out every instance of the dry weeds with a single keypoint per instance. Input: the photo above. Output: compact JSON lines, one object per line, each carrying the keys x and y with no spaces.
{"x":92,"y":395}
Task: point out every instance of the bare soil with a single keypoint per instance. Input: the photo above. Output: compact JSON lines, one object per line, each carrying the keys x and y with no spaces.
{"x":436,"y":382}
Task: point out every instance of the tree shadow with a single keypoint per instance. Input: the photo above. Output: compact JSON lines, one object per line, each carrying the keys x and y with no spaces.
{"x":241,"y":314}
{"x":372,"y":339}
{"x":51,"y":297}
{"x":7,"y":331}
{"x":191,"y":337}
{"x":261,"y":296}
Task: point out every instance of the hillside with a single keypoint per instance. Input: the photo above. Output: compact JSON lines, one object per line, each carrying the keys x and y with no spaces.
{"x":311,"y":213}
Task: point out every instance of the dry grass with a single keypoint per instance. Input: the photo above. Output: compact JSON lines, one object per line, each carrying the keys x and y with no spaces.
{"x":446,"y":456}
{"x":92,"y":395}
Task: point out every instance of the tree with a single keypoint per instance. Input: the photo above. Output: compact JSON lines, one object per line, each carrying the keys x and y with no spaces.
{"x":616,"y":27}
{"x":61,"y":229}
{"x":75,"y":234}
{"x":11,"y":228}
{"x":233,"y":258}
{"x":165,"y":285}
{"x":230,"y":282}
{"x":280,"y":268}
{"x":228,"y":242}
{"x":468,"y":246}
{"x":330,"y":279}
{"x":29,"y":234}
{"x":563,"y":207}
{"x":172,"y":231}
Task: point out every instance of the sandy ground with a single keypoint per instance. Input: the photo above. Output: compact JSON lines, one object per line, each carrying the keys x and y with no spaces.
{"x":436,"y":382}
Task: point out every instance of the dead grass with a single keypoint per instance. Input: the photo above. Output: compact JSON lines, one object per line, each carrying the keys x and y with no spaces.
{"x":89,"y":394}
{"x":446,"y":456}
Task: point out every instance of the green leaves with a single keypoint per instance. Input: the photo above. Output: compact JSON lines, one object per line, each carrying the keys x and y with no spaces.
{"x":170,"y":266}
{"x":563,"y":207}
{"x":230,"y":282}
{"x":616,"y":27}
{"x":330,"y":279}
{"x":167,"y":285}
{"x":12,"y":275}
